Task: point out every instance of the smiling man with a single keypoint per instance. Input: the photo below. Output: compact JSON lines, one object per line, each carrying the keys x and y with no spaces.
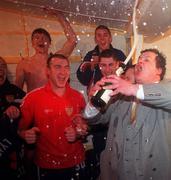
{"x":88,"y":72}
{"x":51,"y":119}
{"x":32,"y":70}
{"x":138,"y":143}
{"x":108,"y":64}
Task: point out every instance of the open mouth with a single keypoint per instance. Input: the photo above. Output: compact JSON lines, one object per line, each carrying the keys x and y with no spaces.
{"x":103,"y":44}
{"x":61,"y":79}
{"x":138,"y":68}
{"x":41,"y":45}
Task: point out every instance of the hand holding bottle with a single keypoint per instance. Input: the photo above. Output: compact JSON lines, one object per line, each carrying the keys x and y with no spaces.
{"x":119,"y":85}
{"x":99,"y":84}
{"x":101,"y":98}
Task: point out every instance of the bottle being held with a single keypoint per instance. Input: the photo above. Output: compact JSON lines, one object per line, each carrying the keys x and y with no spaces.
{"x":101,"y":98}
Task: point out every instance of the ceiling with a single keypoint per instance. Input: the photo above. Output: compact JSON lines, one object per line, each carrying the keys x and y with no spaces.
{"x":153,"y":16}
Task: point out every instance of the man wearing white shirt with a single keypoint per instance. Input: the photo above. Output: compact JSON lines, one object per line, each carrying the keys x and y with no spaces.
{"x":139,"y":149}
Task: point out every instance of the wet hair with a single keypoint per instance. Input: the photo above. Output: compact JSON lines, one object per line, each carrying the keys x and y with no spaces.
{"x":41,"y":31}
{"x":129,"y":66}
{"x":60,"y":56}
{"x":160,"y":60}
{"x":107,"y":53}
{"x":103,"y":27}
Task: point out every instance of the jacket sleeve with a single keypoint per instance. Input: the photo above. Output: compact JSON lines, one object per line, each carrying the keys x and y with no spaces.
{"x":86,"y":76}
{"x":158,"y":94}
{"x":97,"y":117}
{"x":121,"y":55}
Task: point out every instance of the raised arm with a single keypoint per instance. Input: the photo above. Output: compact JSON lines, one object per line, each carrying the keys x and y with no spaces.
{"x":156,"y":94}
{"x":71,"y":42}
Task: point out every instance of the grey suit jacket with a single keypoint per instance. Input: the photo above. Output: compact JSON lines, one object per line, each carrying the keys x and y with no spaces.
{"x":140,"y":151}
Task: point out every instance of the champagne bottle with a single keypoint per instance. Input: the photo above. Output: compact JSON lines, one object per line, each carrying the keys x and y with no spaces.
{"x":101,"y":98}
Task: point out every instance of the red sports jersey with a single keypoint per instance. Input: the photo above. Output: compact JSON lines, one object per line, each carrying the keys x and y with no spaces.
{"x":52,"y":114}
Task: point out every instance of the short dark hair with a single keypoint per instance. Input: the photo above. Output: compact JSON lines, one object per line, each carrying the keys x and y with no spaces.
{"x":160,"y":60}
{"x":129,"y":66}
{"x":41,"y":31}
{"x":107,"y":53}
{"x":103,"y":27}
{"x":60,"y":56}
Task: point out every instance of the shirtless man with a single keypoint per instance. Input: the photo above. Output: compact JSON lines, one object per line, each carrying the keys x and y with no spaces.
{"x":32,"y":70}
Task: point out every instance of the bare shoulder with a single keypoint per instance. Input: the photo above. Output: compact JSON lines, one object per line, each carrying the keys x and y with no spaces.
{"x":25,"y":62}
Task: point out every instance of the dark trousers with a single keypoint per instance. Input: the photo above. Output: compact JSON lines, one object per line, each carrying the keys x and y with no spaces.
{"x":75,"y":173}
{"x":7,"y":173}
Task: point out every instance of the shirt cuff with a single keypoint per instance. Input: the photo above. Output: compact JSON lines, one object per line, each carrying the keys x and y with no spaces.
{"x":90,"y":111}
{"x":140,"y":92}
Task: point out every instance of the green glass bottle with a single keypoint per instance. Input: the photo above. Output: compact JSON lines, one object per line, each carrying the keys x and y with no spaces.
{"x":101,"y":98}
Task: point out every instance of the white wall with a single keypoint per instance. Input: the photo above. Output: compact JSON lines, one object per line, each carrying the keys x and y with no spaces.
{"x":15,"y":32}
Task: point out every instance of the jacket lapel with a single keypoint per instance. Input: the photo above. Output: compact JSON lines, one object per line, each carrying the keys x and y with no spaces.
{"x":141,"y":115}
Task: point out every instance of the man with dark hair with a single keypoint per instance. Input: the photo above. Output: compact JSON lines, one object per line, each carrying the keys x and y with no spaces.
{"x":129,"y":73}
{"x":51,"y":119}
{"x":108,"y":64}
{"x":11,"y":166}
{"x":60,"y":56}
{"x":88,"y":72}
{"x":138,"y":142}
{"x":160,"y":61}
{"x":32,"y":70}
{"x":41,"y":31}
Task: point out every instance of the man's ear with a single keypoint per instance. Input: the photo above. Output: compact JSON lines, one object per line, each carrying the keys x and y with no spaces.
{"x":159,"y":71}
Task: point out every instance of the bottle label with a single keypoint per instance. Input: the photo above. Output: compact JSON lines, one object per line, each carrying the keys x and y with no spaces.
{"x":106,"y":97}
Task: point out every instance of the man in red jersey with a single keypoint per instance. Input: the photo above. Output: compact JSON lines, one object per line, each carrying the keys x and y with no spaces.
{"x":51,"y":119}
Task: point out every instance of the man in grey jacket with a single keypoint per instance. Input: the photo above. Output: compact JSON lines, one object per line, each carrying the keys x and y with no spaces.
{"x":139,"y":142}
